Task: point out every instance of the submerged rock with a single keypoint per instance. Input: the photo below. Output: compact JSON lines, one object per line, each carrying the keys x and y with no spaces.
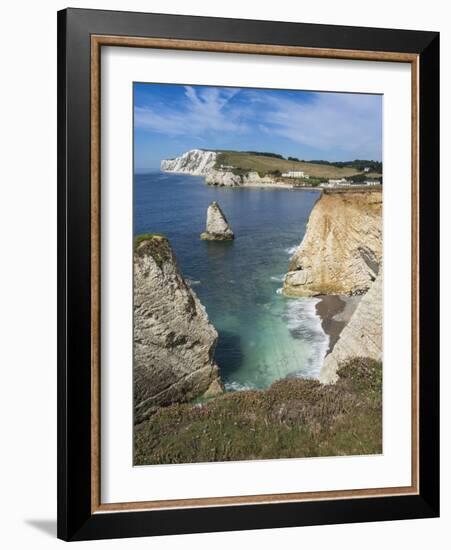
{"x":174,"y":341}
{"x":217,"y":228}
{"x":342,"y":247}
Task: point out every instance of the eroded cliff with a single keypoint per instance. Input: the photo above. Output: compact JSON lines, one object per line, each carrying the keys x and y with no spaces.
{"x":198,"y":162}
{"x":227,"y":178}
{"x":222,"y":178}
{"x":174,"y":341}
{"x":195,"y":162}
{"x":361,"y":337}
{"x":342,"y":248}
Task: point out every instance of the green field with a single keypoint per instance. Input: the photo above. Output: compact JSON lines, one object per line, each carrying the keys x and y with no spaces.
{"x":246,"y":162}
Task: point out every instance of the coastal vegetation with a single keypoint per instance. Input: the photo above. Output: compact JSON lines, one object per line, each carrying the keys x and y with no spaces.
{"x":185,"y":408}
{"x":361,"y":178}
{"x":293,"y":418}
{"x":154,"y":244}
{"x":146,"y":237}
{"x":358,"y":164}
{"x":269,"y":163}
{"x":258,"y":320}
{"x":311,"y":181}
{"x":252,"y":168}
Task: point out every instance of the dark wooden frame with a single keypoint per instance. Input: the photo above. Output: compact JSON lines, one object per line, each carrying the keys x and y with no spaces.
{"x":81,"y":34}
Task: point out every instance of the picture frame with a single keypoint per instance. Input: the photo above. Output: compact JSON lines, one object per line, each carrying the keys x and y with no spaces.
{"x":81,"y":36}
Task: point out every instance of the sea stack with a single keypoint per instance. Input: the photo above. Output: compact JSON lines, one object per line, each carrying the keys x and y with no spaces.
{"x":218,"y":228}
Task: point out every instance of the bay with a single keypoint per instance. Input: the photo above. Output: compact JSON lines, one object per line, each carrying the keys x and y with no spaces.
{"x":263,"y":335}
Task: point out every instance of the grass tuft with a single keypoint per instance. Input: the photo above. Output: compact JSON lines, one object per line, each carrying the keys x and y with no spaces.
{"x":154,"y":244}
{"x":146,"y":237}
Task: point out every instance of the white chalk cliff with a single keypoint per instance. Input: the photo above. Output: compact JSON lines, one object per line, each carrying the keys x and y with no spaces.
{"x":195,"y":162}
{"x":198,"y":162}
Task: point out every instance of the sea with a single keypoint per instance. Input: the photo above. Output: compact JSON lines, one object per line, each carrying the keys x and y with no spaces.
{"x":263,"y":335}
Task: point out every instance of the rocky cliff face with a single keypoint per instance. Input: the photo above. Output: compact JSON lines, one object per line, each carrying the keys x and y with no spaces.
{"x":195,"y":162}
{"x":174,"y":342}
{"x":222,"y":178}
{"x":342,"y":248}
{"x":361,"y":337}
{"x":217,"y":227}
{"x":255,"y":178}
{"x":203,"y":163}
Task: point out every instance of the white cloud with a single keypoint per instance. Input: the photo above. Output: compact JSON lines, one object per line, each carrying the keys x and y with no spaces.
{"x":330,"y":121}
{"x":201,"y":111}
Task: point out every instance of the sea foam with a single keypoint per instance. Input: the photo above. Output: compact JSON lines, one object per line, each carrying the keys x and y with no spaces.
{"x":236,"y":386}
{"x":304,"y":324}
{"x":291,"y":250}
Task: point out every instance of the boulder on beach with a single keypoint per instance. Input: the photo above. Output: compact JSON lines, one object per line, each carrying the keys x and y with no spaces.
{"x":217,"y":228}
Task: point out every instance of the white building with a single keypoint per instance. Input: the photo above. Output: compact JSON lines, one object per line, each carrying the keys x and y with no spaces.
{"x":293,"y":174}
{"x":339,"y":182}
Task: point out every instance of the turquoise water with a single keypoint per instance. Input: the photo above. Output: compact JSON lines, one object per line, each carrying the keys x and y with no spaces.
{"x":263,"y":336}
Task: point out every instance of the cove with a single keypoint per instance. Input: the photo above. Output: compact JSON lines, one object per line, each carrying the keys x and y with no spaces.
{"x":263,"y":335}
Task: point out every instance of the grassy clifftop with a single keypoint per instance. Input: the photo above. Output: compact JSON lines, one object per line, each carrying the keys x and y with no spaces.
{"x":293,"y":418}
{"x":265,"y":164}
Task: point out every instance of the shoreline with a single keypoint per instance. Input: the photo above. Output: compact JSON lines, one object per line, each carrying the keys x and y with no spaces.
{"x":284,"y":185}
{"x":276,"y":185}
{"x":272,"y":185}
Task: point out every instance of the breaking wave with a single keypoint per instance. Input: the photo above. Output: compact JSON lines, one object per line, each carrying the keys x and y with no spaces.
{"x":291,"y":250}
{"x":304,"y":324}
{"x":236,"y":386}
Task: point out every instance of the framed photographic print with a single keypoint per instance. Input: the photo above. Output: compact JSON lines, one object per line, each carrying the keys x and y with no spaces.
{"x":248,"y":274}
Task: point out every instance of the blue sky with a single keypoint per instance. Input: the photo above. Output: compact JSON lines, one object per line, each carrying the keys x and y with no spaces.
{"x":170,"y":119}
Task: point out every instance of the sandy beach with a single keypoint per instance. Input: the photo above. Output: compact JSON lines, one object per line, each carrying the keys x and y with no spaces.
{"x":278,"y":185}
{"x":266,"y":185}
